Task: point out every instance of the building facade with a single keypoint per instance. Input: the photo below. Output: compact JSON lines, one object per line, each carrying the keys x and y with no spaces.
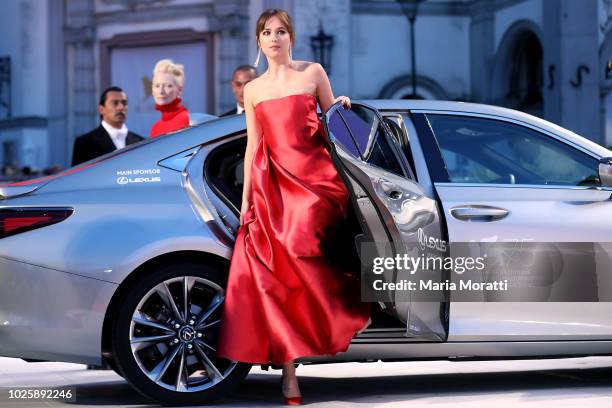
{"x":551,"y":58}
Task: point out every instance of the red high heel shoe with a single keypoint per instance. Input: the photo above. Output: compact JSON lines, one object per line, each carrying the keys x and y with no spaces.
{"x":290,"y":400}
{"x":293,"y":400}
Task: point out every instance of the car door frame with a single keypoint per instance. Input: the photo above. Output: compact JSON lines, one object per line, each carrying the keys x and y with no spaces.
{"x":415,"y":326}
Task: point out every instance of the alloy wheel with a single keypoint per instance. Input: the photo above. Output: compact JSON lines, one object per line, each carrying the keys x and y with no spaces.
{"x":173,"y":334}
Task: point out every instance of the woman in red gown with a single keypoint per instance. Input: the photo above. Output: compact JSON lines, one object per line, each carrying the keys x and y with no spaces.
{"x":283,"y":299}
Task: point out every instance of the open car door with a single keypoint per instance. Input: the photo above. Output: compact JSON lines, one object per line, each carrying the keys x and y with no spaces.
{"x":397,"y":217}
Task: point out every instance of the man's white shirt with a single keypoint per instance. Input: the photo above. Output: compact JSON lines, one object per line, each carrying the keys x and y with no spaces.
{"x":118,"y":136}
{"x":239,"y":109}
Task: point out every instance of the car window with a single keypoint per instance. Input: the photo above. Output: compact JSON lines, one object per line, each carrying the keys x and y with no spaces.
{"x":462,"y":169}
{"x":381,"y":155}
{"x":224,"y":170}
{"x":341,"y":135}
{"x":363,"y":124}
{"x":361,"y":133}
{"x":478,"y":150}
{"x":400,"y":137}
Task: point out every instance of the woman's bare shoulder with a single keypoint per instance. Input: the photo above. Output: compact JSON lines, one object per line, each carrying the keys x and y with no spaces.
{"x":254,"y":84}
{"x":252,"y":87}
{"x":306,"y":66}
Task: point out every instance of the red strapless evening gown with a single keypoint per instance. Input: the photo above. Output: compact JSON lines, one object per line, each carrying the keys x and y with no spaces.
{"x":283,"y":299}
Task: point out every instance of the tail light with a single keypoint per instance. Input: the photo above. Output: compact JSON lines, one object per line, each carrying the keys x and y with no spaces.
{"x":17,"y":220}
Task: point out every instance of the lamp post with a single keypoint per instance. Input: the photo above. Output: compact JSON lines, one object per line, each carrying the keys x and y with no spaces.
{"x":410,"y":9}
{"x":321,"y":45}
{"x":5,"y":86}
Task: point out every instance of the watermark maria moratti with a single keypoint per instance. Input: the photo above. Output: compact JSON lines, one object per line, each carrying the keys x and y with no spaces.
{"x":432,"y":269}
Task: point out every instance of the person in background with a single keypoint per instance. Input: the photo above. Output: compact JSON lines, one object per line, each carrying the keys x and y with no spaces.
{"x":167,"y":88}
{"x":242,"y":76}
{"x":112,"y":134}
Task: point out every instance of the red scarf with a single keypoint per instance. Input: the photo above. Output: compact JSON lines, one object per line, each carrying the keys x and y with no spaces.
{"x":174,"y":117}
{"x":171,"y":109}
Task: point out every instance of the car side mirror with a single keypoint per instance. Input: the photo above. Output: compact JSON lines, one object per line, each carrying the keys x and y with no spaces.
{"x":605,"y":171}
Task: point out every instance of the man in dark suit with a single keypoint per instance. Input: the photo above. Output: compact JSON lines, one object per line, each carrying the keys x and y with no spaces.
{"x":112,"y":134}
{"x":242,"y":76}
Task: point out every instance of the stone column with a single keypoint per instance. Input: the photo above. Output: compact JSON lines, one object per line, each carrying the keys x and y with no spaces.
{"x":82,"y":95}
{"x":60,"y":141}
{"x":571,"y":92}
{"x":231,"y":23}
{"x":482,"y":38}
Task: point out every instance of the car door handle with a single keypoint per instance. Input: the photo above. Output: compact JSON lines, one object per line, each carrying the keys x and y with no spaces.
{"x":478,"y":213}
{"x":390,"y":189}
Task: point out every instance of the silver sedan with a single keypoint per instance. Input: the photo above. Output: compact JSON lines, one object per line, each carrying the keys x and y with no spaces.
{"x":123,"y":260}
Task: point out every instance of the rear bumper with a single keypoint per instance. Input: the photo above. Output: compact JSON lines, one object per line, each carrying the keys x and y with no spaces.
{"x":51,"y":315}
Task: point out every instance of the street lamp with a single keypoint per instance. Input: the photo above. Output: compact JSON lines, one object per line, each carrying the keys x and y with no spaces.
{"x":321,"y":45}
{"x":410,"y":9}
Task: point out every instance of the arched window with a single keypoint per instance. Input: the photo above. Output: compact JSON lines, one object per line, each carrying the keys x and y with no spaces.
{"x":525,"y":79}
{"x":401,"y":88}
{"x":518,"y":74}
{"x":605,"y":85}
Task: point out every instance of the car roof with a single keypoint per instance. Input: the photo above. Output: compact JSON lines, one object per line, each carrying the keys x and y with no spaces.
{"x":416,"y":105}
{"x":426,"y":104}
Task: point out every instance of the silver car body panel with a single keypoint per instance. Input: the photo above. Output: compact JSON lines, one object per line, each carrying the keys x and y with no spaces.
{"x":47,"y":314}
{"x":405,"y":350}
{"x":8,"y":191}
{"x":537,"y":216}
{"x":121,"y":212}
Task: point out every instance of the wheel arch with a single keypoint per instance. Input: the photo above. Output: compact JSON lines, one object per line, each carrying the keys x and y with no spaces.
{"x":165,"y":259}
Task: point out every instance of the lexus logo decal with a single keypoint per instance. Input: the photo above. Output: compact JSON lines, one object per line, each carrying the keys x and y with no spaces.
{"x":187,"y":334}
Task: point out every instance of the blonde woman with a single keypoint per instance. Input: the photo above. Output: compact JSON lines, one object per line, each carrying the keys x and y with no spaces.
{"x":167,"y":88}
{"x":283,"y":299}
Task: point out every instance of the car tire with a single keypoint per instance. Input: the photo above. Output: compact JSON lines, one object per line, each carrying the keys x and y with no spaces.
{"x":179,"y":344}
{"x":112,"y":364}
